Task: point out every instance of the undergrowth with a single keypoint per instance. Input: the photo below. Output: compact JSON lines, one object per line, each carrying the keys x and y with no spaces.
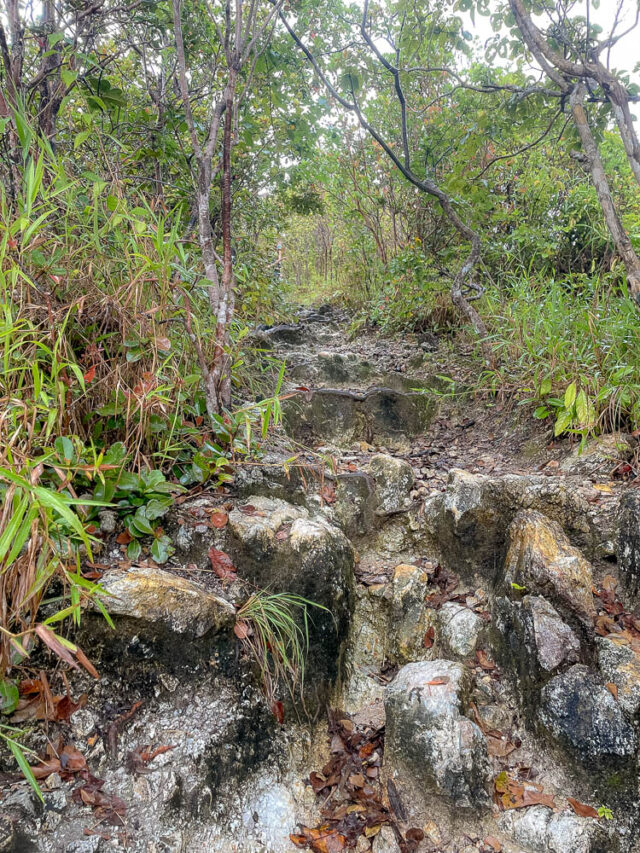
{"x":572,"y":346}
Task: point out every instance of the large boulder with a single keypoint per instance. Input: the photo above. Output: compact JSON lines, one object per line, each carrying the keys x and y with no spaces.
{"x":389,"y":625}
{"x":394,"y":479}
{"x":542,"y":561}
{"x":428,"y":737}
{"x":164,"y":599}
{"x":279,"y":547}
{"x":344,"y":417}
{"x":467,"y":522}
{"x":582,"y":715}
{"x":533,"y":643}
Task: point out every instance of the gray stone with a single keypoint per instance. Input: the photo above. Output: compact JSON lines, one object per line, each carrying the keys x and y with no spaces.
{"x":167,"y":600}
{"x":532,"y":642}
{"x":428,"y":736}
{"x":554,"y":641}
{"x":619,"y":662}
{"x":467,"y":522}
{"x":108,"y":520}
{"x":600,"y":455}
{"x":343,"y":417}
{"x":82,"y":722}
{"x":313,"y":559}
{"x":541,"y":560}
{"x":459,"y":629}
{"x":274,"y":480}
{"x":409,"y":617}
{"x":385,"y":841}
{"x":354,"y":509}
{"x":539,"y":830}
{"x":582,"y":715}
{"x":628,"y":544}
{"x":394,"y":480}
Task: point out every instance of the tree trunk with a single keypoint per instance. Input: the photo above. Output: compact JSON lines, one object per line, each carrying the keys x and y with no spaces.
{"x":221,"y":367}
{"x":619,"y":235}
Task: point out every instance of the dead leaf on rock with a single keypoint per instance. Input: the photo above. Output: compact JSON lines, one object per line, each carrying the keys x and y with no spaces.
{"x":582,"y":809}
{"x":219,"y":518}
{"x":485,"y":661}
{"x":493,"y":843}
{"x":429,"y":637}
{"x":612,"y":688}
{"x":222,"y":565}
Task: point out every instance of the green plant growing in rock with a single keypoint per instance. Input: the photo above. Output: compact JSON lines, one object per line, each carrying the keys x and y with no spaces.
{"x":274,"y":631}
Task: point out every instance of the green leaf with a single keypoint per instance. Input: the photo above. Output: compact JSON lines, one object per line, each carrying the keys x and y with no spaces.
{"x":545,"y":386}
{"x":141,"y":523}
{"x":157,"y":508}
{"x":160,"y":550}
{"x":134,"y":550}
{"x":23,"y":764}
{"x":81,"y":138}
{"x":563,"y":422}
{"x":69,"y":77}
{"x":582,"y":408}
{"x":541,"y":413}
{"x":570,"y":396}
{"x":65,"y":450}
{"x":9,"y":696}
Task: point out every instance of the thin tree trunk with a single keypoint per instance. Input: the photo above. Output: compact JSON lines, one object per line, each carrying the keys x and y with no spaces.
{"x":619,"y":235}
{"x":220,"y":368}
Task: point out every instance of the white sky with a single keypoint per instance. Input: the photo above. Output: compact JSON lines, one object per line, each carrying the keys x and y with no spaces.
{"x":625,"y":55}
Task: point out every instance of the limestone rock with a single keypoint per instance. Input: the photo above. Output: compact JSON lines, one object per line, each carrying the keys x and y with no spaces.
{"x":354,"y":509}
{"x":394,"y":480}
{"x":279,"y":547}
{"x":599,"y":456}
{"x":161,"y":597}
{"x":429,"y":737}
{"x":580,"y":713}
{"x":539,"y":830}
{"x":467,"y":522}
{"x":410,"y":619}
{"x":533,"y":642}
{"x":542,"y":560}
{"x":460,"y":629}
{"x":619,"y":664}
{"x":628,"y":546}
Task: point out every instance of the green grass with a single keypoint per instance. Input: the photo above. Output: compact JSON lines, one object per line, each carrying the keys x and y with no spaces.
{"x":567,"y":342}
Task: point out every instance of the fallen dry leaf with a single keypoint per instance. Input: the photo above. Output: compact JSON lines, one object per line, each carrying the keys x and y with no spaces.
{"x":582,"y":809}
{"x":222,"y":565}
{"x":429,"y":637}
{"x":612,"y":688}
{"x":485,"y":661}
{"x":219,"y":518}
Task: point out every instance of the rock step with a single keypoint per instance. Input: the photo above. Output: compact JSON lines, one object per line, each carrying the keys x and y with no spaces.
{"x":379,"y":415}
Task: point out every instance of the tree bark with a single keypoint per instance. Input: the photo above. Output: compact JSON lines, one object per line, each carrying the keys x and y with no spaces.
{"x":601,"y":184}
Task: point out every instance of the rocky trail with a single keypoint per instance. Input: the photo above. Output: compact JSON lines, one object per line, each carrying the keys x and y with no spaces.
{"x":481,"y":656}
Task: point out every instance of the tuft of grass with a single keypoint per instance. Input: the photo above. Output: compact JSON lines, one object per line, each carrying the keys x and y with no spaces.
{"x":274,"y":631}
